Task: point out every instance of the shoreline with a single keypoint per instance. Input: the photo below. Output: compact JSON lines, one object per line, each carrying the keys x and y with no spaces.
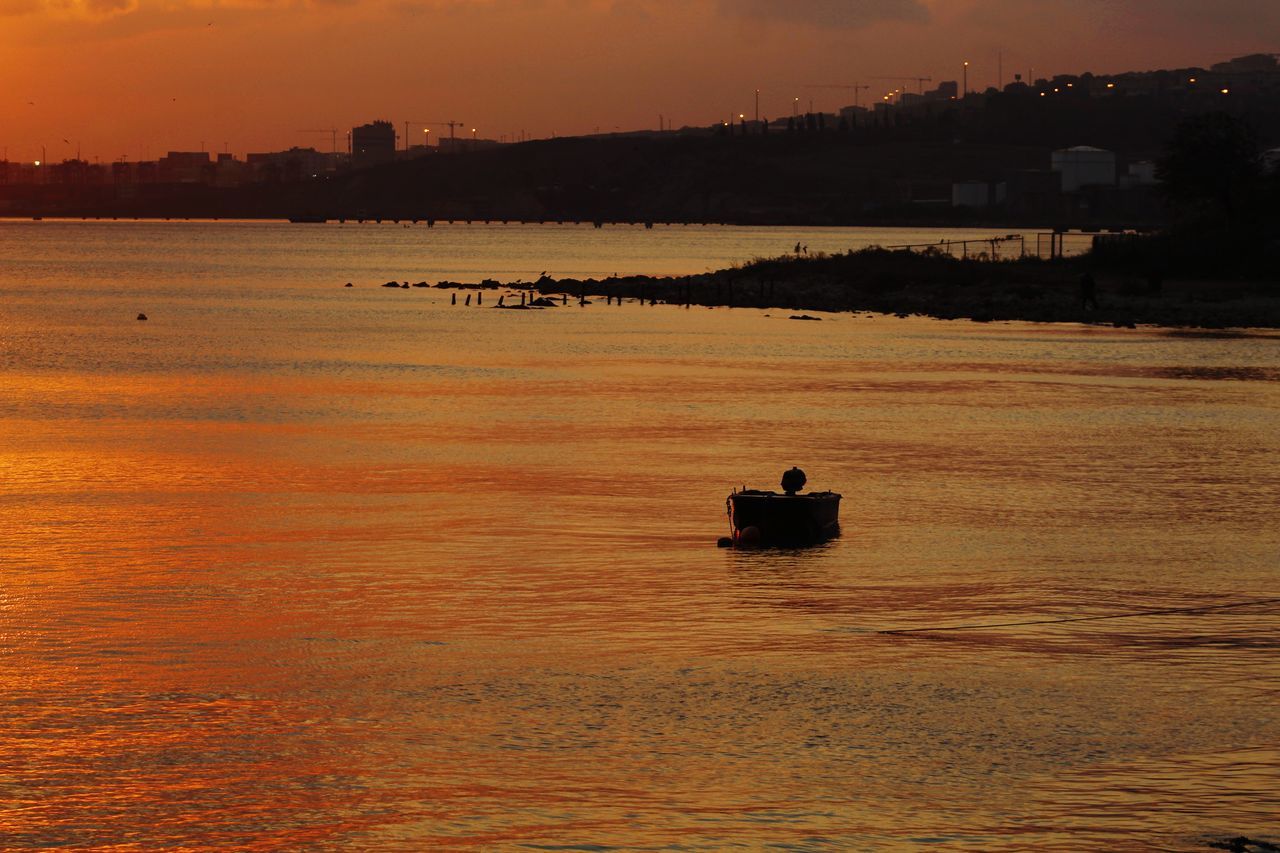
{"x":905,"y":283}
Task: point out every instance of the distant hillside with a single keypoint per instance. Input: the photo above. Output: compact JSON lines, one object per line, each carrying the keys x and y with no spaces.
{"x":891,"y":165}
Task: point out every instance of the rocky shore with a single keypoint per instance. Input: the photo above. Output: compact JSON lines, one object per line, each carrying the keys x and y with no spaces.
{"x":938,"y":285}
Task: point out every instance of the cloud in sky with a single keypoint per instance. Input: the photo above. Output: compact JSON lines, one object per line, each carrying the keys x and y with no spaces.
{"x":1072,"y":16}
{"x":1143,"y":17}
{"x":90,"y":9}
{"x":845,"y":14}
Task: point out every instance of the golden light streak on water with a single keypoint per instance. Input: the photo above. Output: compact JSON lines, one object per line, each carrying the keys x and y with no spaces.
{"x":294,"y":566}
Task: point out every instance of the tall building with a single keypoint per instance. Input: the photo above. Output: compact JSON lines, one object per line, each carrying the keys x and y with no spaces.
{"x":373,"y":144}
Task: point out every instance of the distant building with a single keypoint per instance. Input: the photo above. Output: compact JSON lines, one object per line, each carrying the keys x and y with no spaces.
{"x":373,"y":144}
{"x":183,"y":167}
{"x":1140,"y":174}
{"x":416,"y":151}
{"x":971,"y":194}
{"x":853,"y":116}
{"x":1084,"y":166}
{"x":1258,"y":63}
{"x":296,"y":164}
{"x":466,"y":144}
{"x":230,"y":172}
{"x":948,"y":90}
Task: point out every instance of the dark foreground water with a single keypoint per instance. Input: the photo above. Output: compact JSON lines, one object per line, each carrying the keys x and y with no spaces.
{"x":294,"y":566}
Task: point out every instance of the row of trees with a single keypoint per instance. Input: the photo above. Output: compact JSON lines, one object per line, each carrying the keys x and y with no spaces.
{"x":1224,"y":198}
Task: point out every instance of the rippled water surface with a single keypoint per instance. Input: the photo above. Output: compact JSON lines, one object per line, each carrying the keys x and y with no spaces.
{"x":298,"y":566}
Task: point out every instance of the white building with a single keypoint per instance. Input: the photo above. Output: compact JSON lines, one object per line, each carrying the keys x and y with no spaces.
{"x":1084,"y":166}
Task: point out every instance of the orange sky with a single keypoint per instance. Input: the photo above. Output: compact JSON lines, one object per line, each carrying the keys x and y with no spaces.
{"x":140,"y":77}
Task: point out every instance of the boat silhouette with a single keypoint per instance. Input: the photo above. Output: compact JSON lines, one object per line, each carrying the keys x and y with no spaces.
{"x":768,"y":519}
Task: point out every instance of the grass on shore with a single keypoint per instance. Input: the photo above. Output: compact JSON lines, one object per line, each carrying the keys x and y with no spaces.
{"x":935,"y":284}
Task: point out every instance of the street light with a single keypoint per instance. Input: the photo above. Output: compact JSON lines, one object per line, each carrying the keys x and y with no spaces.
{"x":966,"y":79}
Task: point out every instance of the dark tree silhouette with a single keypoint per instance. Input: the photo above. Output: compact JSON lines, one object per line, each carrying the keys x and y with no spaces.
{"x":1213,"y":164}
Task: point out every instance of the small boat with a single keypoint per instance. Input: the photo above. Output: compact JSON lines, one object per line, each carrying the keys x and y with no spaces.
{"x":766,"y":519}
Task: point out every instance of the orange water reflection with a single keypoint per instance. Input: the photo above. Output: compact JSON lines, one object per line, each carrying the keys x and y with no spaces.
{"x":450,"y":582}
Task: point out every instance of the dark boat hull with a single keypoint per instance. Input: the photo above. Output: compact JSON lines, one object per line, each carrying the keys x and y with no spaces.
{"x":770,"y":519}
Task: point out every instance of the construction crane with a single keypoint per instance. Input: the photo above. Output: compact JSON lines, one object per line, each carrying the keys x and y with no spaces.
{"x":856,"y":87}
{"x":919,"y":80}
{"x":329,"y":130}
{"x":452,"y":125}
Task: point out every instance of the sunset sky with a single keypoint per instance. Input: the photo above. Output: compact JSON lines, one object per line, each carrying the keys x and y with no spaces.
{"x":139,"y":77}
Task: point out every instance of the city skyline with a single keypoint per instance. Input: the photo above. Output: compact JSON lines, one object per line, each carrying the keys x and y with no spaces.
{"x":112,"y":78}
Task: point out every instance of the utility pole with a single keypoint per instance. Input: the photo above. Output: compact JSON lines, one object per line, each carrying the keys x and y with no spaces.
{"x":757,"y":106}
{"x":965,"y":93}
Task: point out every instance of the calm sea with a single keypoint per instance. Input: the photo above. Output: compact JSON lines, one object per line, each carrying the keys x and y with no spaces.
{"x":294,"y":566}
